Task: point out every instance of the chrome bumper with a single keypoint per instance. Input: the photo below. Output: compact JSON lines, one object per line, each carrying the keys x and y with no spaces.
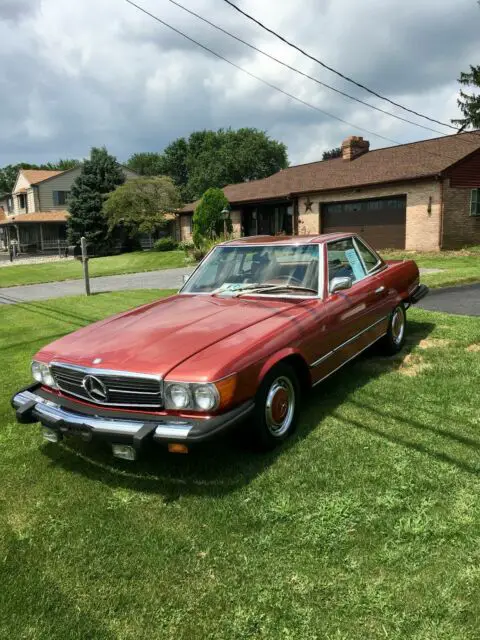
{"x":32,"y":407}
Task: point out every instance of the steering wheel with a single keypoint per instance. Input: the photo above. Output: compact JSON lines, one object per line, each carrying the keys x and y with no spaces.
{"x":285,"y":279}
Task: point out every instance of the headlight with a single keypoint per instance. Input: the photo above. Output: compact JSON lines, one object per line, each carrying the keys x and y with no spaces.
{"x":41,"y":373}
{"x":200,"y":396}
{"x":205,"y":396}
{"x":177,"y":396}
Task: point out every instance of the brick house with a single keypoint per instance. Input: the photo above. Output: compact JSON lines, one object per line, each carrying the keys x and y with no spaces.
{"x":35,"y":214}
{"x":422,"y":195}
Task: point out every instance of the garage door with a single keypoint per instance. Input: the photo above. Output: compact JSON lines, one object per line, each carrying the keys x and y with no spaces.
{"x":380,"y":221}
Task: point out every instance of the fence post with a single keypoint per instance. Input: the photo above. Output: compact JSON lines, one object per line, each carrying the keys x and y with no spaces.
{"x":83,"y":245}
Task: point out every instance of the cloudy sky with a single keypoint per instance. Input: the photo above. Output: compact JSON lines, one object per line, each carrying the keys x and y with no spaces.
{"x":99,"y":72}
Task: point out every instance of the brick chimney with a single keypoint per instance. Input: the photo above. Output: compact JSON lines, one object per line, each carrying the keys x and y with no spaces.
{"x":353,"y":147}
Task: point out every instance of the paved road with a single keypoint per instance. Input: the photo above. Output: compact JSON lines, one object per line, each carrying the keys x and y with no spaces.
{"x":164,"y":279}
{"x":463,"y":300}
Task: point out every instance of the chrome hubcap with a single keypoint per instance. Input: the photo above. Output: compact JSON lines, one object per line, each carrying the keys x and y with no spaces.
{"x":398,"y":325}
{"x":280,"y":406}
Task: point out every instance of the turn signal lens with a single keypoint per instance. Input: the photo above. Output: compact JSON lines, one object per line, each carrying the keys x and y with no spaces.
{"x":175,"y":447}
{"x":226,"y":389}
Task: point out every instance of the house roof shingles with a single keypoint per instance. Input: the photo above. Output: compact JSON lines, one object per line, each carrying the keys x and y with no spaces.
{"x":35,"y":176}
{"x":391,"y":164}
{"x":36,"y":216}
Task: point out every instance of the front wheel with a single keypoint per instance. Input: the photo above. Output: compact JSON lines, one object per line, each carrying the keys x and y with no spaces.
{"x":394,"y":339}
{"x":276,"y":407}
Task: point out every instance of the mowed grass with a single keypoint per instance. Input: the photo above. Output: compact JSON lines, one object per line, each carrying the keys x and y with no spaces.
{"x":458,"y":267}
{"x":134,"y":262}
{"x":365,"y":525}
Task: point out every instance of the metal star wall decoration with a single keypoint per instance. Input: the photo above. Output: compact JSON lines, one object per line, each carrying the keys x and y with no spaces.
{"x":308,"y":204}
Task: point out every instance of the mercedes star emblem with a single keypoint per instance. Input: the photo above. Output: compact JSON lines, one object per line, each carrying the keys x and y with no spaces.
{"x":95,"y":388}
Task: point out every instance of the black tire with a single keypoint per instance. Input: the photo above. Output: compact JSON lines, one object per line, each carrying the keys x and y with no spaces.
{"x":277,"y":406}
{"x":394,"y":339}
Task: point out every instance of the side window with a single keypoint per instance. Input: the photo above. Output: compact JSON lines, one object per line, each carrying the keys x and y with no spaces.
{"x":344,"y":261}
{"x":369,"y":258}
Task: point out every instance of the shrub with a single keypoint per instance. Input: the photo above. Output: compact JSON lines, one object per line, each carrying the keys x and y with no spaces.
{"x":186,"y":245}
{"x":205,"y":246}
{"x":207,"y":218}
{"x":165,"y":244}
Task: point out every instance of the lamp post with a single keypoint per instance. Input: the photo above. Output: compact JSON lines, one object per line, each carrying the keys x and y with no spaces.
{"x":225,"y":215}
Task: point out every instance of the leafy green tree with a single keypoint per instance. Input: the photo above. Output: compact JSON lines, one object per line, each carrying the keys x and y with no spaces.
{"x":146,"y":164}
{"x":217,"y":158}
{"x":208,"y":221}
{"x":63,"y":164}
{"x":336,"y":152}
{"x":139,"y":205}
{"x":101,"y":174}
{"x":8,"y":174}
{"x":469,"y":104}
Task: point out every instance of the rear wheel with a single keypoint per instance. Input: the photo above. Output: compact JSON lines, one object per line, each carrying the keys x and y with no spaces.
{"x":394,"y":339}
{"x":277,"y":406}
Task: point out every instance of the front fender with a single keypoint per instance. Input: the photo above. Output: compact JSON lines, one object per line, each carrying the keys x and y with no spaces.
{"x":275,"y":358}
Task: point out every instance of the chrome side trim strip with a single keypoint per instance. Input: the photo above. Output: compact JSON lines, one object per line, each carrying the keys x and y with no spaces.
{"x":351,"y":358}
{"x":344,"y":344}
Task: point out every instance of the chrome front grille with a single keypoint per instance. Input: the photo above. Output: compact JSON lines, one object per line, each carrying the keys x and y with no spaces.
{"x":109,"y":388}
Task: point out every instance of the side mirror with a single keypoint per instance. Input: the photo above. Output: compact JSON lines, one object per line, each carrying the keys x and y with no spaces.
{"x":185,"y":277}
{"x":339,"y":284}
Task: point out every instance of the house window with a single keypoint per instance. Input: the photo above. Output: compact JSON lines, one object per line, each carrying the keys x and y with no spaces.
{"x":22,"y":201}
{"x":60,"y":198}
{"x":475,"y":203}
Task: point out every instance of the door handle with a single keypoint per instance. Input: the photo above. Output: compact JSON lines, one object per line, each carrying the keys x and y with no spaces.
{"x":380,"y":290}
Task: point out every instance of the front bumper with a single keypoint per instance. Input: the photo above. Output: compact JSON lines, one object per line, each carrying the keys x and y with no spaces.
{"x":65,"y":417}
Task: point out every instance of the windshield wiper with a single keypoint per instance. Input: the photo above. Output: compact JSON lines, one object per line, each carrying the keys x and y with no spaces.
{"x":269,"y":288}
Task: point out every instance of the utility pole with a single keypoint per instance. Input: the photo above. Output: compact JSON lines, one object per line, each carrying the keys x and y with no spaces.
{"x":83,"y":245}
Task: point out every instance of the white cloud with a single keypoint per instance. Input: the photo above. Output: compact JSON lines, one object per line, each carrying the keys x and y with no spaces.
{"x":77,"y":74}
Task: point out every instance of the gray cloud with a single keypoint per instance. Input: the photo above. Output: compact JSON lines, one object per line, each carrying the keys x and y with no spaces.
{"x":81,"y":74}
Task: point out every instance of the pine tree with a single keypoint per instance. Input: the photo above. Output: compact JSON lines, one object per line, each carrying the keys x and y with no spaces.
{"x":100,"y":175}
{"x":469,"y":104}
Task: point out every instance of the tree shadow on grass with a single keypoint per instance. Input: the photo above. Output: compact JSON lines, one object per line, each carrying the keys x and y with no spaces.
{"x":224,"y":465}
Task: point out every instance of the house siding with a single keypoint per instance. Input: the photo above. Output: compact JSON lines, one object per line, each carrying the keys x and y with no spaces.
{"x":459,"y":227}
{"x":422,"y":226}
{"x":62,"y":182}
{"x":21,"y":183}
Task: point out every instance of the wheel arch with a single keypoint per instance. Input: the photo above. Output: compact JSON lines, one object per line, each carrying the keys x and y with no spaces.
{"x":293,"y":359}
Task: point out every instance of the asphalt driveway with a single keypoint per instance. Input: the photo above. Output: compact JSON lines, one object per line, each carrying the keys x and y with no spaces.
{"x":464,"y":300}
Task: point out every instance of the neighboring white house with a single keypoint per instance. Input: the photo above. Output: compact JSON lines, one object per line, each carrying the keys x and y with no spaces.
{"x":36,"y":212}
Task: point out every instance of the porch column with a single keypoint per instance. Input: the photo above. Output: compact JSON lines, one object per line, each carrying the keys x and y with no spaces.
{"x":41,"y":237}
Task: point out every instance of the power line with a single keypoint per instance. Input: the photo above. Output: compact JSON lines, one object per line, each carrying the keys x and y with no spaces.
{"x":252,"y":75}
{"x":305,"y":75}
{"x":272,"y":86}
{"x":338,"y":73}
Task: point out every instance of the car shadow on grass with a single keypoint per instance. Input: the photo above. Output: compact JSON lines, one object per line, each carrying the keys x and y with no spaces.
{"x":226,"y":464}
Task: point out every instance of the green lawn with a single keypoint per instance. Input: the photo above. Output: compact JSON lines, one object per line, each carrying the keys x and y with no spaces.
{"x":458,"y":267}
{"x":365,"y":525}
{"x":72,"y":269}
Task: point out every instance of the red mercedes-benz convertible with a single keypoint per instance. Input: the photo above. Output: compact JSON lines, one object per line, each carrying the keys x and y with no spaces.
{"x":260,"y":321}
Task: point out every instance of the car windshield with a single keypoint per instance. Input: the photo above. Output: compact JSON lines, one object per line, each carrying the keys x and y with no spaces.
{"x":267,"y":269}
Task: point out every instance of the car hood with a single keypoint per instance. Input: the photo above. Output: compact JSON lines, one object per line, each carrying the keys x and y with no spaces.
{"x":157,"y":337}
